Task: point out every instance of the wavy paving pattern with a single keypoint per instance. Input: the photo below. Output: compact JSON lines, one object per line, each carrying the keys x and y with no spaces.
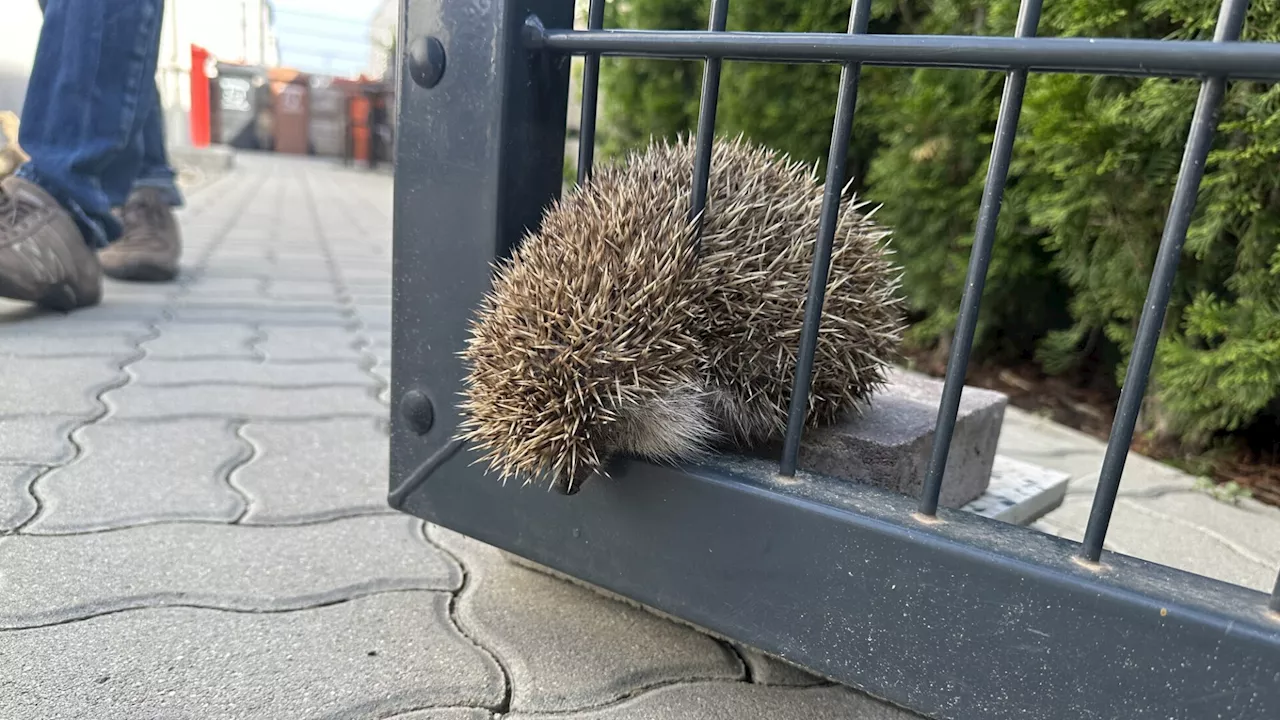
{"x":193,"y":517}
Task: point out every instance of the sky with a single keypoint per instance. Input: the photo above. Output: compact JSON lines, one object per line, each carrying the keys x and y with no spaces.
{"x":324,"y":36}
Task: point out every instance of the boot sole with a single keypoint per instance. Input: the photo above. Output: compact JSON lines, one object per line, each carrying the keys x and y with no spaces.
{"x":141,"y":272}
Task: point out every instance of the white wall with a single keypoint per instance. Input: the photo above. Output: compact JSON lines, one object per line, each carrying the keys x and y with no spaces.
{"x":234,"y":30}
{"x":19,"y":32}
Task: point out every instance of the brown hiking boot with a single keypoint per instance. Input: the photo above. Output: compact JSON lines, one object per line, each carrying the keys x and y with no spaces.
{"x":151,"y":244}
{"x":43,"y":256}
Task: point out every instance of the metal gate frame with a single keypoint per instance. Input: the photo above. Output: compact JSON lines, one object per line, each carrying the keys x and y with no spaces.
{"x":944,"y":613}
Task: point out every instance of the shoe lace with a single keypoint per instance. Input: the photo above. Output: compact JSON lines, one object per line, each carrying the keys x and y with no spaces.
{"x":11,"y":208}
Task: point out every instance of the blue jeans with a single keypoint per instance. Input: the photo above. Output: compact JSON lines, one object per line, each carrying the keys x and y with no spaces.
{"x":92,"y":122}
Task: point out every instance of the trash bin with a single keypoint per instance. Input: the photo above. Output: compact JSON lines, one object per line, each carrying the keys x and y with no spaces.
{"x":291,"y":99}
{"x":244,"y":107}
{"x":328,"y":120}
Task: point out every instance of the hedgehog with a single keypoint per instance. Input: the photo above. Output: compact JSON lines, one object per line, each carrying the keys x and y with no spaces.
{"x":624,"y":326}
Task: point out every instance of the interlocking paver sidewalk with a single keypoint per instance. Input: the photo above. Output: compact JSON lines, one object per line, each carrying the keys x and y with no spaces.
{"x":193,"y":520}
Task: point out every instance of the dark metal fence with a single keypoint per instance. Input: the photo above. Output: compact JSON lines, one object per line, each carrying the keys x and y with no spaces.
{"x":946,"y":614}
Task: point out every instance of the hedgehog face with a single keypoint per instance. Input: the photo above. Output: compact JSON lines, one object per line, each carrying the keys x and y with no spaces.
{"x":549,"y":418}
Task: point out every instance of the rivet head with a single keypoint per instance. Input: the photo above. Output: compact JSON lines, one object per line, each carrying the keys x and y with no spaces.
{"x":415,"y":408}
{"x":426,"y":61}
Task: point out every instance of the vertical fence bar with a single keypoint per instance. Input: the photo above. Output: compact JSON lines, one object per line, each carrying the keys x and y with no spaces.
{"x":707,"y":114}
{"x":837,"y":155}
{"x":590,"y":89}
{"x":984,"y":237}
{"x":1275,"y":596}
{"x":1203,"y":126}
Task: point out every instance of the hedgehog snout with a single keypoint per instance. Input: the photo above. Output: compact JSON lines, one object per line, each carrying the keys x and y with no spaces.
{"x":571,"y":484}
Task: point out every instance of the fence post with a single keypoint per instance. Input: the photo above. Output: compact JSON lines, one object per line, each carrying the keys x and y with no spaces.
{"x":502,"y":109}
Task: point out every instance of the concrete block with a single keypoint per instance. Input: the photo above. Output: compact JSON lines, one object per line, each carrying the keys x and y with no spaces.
{"x":1020,"y":493}
{"x":889,"y":443}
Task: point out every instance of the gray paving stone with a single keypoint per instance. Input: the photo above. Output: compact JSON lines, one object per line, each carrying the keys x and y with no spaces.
{"x":130,"y":474}
{"x":566,"y":647}
{"x":224,"y":340}
{"x":16,"y":502}
{"x":43,"y":440}
{"x":290,"y":344}
{"x":314,"y":470}
{"x":249,"y":372}
{"x":1020,"y":492}
{"x":447,"y":714}
{"x":373,"y":316}
{"x":766,"y":670}
{"x":363,"y":659}
{"x":1135,"y":530}
{"x":1251,"y":528}
{"x":1159,"y":517}
{"x":303,"y":290}
{"x":56,"y":386}
{"x":299,"y":315}
{"x":226,"y":288}
{"x":136,"y":402}
{"x":67,"y":577}
{"x":125,"y":309}
{"x":736,"y":701}
{"x":116,"y":340}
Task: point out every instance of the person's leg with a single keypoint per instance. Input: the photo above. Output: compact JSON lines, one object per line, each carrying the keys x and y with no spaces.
{"x":81,"y":117}
{"x":150,"y":248}
{"x":91,"y":87}
{"x":156,"y":172}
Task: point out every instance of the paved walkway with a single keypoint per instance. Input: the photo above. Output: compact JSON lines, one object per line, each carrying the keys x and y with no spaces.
{"x":193,"y":519}
{"x":1160,"y":516}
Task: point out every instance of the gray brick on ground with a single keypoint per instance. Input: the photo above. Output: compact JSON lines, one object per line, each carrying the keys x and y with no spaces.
{"x":225,"y":340}
{"x":737,"y":701}
{"x":136,"y":402}
{"x":303,"y":290}
{"x":292,"y":344}
{"x":17,"y":505}
{"x":1160,"y":516}
{"x":1193,"y":546}
{"x":766,"y":670}
{"x":366,"y":658}
{"x":130,"y":474}
{"x":373,"y":316}
{"x":446,"y":714}
{"x":38,"y":440}
{"x":55,"y":386}
{"x":121,"y":310}
{"x":231,"y":567}
{"x":566,"y":647}
{"x":114,"y":340}
{"x":314,"y":470}
{"x":297,"y":316}
{"x":224,"y":289}
{"x":249,"y":372}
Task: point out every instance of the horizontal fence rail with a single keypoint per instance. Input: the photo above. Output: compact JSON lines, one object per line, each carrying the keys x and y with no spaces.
{"x":1175,"y":644}
{"x":1104,"y":56}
